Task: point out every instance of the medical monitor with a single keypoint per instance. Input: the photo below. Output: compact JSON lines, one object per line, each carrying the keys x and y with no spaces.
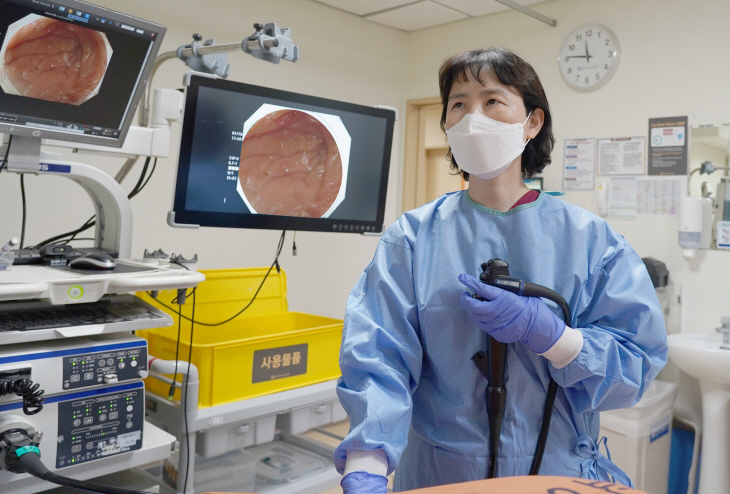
{"x":72,"y":71}
{"x":256,"y":157}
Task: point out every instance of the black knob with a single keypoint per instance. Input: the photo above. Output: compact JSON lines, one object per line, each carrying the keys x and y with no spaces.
{"x":197,"y":37}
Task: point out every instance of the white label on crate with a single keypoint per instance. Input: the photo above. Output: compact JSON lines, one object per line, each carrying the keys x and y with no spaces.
{"x":278,"y":363}
{"x":658,"y":430}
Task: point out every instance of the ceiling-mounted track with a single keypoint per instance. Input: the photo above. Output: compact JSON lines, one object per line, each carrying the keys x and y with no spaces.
{"x":527,"y":11}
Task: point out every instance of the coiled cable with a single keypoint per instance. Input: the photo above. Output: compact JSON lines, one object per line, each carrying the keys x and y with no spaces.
{"x":30,"y":392}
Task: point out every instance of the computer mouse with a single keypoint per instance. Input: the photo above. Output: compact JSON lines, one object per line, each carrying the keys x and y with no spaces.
{"x":93,"y":261}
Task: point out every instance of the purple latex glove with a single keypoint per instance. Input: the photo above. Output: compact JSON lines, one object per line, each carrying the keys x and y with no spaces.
{"x":510,"y":318}
{"x":364,"y":483}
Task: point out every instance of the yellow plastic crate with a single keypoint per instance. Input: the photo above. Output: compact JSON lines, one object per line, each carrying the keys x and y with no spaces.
{"x":262,"y":351}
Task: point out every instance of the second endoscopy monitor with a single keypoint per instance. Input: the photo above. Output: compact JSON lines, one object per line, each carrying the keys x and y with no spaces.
{"x":256,"y":157}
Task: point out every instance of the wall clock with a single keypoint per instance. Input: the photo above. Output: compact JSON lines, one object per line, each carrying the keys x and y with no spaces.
{"x":589,"y":57}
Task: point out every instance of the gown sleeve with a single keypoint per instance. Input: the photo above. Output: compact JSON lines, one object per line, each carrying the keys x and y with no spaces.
{"x":381,"y":354}
{"x":624,"y":337}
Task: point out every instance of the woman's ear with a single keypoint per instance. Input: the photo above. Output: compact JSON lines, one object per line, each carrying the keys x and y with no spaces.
{"x":534,"y":123}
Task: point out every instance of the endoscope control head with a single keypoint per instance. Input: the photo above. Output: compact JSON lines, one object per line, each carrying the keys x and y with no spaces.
{"x":493,"y":269}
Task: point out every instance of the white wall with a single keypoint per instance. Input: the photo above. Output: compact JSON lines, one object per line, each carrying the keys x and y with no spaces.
{"x":342,"y":57}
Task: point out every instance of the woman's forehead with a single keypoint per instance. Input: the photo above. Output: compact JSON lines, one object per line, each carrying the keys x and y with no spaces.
{"x":485,"y":77}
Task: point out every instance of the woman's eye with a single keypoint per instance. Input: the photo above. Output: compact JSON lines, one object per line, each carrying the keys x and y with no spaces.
{"x":492,"y":102}
{"x":458,"y":104}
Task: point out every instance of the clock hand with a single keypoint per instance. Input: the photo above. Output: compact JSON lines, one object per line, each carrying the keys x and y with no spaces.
{"x":588,"y":56}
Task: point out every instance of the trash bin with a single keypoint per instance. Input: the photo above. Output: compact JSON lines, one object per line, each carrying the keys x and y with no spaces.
{"x":640,"y":438}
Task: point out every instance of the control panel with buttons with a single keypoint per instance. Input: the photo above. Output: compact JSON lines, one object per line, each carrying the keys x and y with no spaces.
{"x":106,"y":422}
{"x":105,"y":367}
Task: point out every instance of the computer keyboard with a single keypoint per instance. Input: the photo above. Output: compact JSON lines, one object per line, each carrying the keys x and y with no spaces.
{"x":112,"y":309}
{"x":33,"y":255}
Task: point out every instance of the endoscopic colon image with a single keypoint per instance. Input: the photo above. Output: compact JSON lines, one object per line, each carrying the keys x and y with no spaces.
{"x":53,"y":60}
{"x":290,"y":165}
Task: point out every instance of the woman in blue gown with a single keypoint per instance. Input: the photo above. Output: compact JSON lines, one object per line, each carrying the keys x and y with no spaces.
{"x":415,"y":398}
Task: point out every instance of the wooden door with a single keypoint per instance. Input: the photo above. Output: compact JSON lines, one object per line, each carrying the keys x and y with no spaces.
{"x":427,"y":174}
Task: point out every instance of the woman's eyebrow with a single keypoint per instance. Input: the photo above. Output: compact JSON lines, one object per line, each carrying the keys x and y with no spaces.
{"x":490,"y":91}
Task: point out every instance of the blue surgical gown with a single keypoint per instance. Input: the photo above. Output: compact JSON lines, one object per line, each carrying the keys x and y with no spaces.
{"x":408,"y":382}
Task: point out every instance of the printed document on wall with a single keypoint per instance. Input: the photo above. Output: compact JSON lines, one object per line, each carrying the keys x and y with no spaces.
{"x":659,"y":196}
{"x":579,"y":164}
{"x":622,"y":198}
{"x":622,"y":156}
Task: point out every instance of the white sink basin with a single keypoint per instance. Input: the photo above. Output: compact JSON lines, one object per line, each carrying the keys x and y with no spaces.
{"x":702,"y":356}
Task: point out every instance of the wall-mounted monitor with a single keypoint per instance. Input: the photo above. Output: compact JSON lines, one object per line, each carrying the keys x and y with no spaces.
{"x":72,"y":71}
{"x":256,"y":157}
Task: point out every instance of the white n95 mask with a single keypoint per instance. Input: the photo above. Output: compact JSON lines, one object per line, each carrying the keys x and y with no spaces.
{"x":484,"y":147}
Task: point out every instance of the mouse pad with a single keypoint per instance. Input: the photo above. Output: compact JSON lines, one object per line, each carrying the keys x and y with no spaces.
{"x":120,"y":268}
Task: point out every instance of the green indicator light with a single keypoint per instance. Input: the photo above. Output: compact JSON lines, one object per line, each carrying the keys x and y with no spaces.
{"x":82,"y":363}
{"x":73,"y":438}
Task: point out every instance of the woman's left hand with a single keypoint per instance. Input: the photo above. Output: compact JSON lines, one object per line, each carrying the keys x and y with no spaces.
{"x":510,"y":318}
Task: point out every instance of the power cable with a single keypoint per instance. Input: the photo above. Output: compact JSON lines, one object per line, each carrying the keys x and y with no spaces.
{"x":25,"y":210}
{"x":274,"y":264}
{"x":7,"y":152}
{"x":185,"y":399}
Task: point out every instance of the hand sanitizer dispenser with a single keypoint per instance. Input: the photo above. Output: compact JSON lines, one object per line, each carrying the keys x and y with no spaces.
{"x":695,"y":224}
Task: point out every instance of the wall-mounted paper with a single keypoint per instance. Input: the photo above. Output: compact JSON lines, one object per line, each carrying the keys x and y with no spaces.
{"x":622,"y":198}
{"x":621,"y":156}
{"x":659,"y":196}
{"x":579,"y":164}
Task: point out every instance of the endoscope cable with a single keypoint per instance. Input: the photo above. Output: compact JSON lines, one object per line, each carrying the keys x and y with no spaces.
{"x":534,"y":290}
{"x":30,"y":462}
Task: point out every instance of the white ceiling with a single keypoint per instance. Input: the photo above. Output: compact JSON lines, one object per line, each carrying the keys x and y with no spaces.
{"x":410,"y":15}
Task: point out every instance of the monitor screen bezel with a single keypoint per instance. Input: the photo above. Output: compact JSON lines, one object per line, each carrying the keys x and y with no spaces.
{"x":183,"y":217}
{"x":44,"y":133}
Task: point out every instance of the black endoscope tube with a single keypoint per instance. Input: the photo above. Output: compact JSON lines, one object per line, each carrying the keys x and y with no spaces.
{"x":494,"y":370}
{"x":496,"y":273}
{"x":533,"y":290}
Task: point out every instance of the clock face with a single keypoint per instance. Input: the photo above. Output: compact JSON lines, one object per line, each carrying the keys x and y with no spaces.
{"x":589,"y":57}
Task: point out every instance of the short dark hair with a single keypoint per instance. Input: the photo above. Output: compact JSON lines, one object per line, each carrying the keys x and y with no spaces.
{"x":511,"y":70}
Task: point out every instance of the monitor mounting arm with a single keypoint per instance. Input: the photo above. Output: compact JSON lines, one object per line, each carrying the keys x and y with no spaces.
{"x":113,"y":210}
{"x":268,"y":42}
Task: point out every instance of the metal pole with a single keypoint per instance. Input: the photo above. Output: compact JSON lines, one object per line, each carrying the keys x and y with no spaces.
{"x":210,"y":50}
{"x":144,"y":107}
{"x":527,"y":11}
